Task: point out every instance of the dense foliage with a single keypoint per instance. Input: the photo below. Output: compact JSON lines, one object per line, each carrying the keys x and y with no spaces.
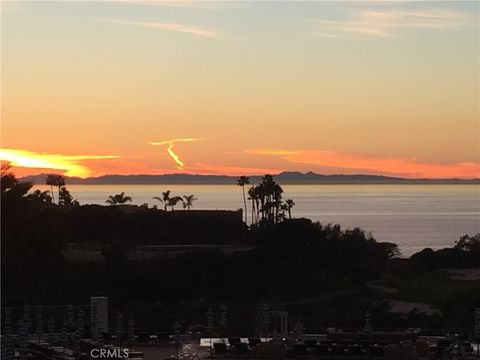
{"x":291,"y":260}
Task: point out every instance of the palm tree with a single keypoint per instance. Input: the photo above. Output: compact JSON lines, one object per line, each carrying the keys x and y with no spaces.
{"x":174,"y":201}
{"x":252,"y":195}
{"x":66,"y":199}
{"x":290,"y":204}
{"x":55,"y":180}
{"x":118,"y":199}
{"x":164,"y":199}
{"x":242,"y":181}
{"x":270,"y":195}
{"x":283,"y":208}
{"x":60,"y":182}
{"x":9,"y":181}
{"x":188,"y":201}
{"x":11,"y":188}
{"x":51,"y":180}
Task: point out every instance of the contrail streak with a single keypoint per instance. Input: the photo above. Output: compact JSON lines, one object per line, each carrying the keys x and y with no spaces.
{"x":173,"y":155}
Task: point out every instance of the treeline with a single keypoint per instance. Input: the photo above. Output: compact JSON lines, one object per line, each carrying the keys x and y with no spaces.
{"x":35,"y":233}
{"x":464,"y":254}
{"x":292,"y":259}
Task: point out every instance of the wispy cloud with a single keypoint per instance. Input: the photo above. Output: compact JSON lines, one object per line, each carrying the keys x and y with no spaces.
{"x":278,"y":152}
{"x":375,"y":164}
{"x":167,"y":142}
{"x":187,"y":4}
{"x":189,"y":29}
{"x":389,"y":22}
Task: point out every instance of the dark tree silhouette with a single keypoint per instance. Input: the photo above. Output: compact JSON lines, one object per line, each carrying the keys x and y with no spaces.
{"x":164,"y":199}
{"x":242,"y":181}
{"x":188,"y":201}
{"x":254,"y":196}
{"x":11,"y":188}
{"x":55,"y":180}
{"x":65,"y":198}
{"x":267,"y":198}
{"x":173,"y":201}
{"x":60,"y":180}
{"x":289,"y":205}
{"x":469,"y":243}
{"x":52,"y":182}
{"x":118,"y":199}
{"x":9,"y":181}
{"x":40,"y":196}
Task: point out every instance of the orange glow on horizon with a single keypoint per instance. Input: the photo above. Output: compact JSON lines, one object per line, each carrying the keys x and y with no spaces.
{"x":378,"y":88}
{"x":410,"y":168}
{"x":320,"y":161}
{"x":211,"y":169}
{"x":68,"y":164}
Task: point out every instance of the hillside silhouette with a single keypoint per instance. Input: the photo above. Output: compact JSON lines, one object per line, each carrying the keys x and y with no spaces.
{"x":286,"y":177}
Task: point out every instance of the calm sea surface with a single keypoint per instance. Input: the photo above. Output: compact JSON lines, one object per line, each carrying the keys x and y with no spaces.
{"x":413,"y":216}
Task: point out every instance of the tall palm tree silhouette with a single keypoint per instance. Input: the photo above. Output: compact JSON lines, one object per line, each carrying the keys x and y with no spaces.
{"x":55,"y":180}
{"x":118,"y":199}
{"x":60,"y":180}
{"x":242,"y":181}
{"x":164,"y":199}
{"x":51,"y":181}
{"x":252,"y":195}
{"x":267,"y":199}
{"x":188,"y":201}
{"x":290,"y":204}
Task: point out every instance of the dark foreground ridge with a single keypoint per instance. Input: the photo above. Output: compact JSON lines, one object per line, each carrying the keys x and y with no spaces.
{"x":206,"y":273}
{"x":286,"y":177}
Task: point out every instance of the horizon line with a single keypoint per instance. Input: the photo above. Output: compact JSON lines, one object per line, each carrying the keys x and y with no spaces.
{"x":257,"y":175}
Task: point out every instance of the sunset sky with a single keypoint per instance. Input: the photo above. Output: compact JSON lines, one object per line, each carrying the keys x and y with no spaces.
{"x":139,"y":87}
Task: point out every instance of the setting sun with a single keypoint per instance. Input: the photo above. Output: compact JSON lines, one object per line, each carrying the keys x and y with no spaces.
{"x":69,"y":165}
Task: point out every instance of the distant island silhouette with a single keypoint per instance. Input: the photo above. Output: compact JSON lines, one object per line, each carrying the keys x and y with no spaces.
{"x":286,"y":177}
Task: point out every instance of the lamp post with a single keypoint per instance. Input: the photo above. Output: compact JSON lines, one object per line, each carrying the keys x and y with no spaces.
{"x":64,"y":335}
{"x":70,"y":323}
{"x":39,"y":323}
{"x":81,"y":323}
{"x":119,"y":328}
{"x":131,"y":334}
{"x":477,"y":329}
{"x":367,"y":328}
{"x":210,"y":327}
{"x":224,"y":319}
{"x":22,"y":339}
{"x":176,"y":332}
{"x":51,"y":330}
{"x":265,"y":319}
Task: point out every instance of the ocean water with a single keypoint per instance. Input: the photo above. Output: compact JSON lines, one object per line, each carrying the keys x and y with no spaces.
{"x":412,"y":216}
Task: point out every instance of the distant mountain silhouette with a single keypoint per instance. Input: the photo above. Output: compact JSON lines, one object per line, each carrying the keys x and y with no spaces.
{"x":286,"y":177}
